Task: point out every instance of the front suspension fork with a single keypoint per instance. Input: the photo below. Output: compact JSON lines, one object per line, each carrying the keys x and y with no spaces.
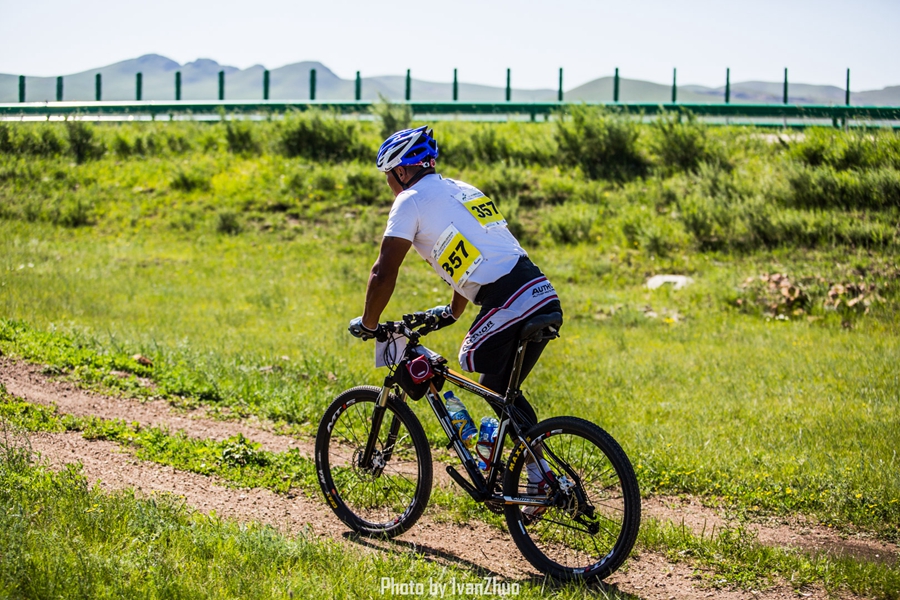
{"x":366,"y":461}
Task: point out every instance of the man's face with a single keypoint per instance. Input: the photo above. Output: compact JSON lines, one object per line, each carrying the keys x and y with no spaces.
{"x":395,"y":186}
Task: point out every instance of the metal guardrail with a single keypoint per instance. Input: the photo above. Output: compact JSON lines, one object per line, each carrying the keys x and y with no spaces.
{"x":212,"y":107}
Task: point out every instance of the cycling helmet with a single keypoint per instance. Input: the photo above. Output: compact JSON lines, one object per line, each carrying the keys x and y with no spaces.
{"x":406,"y":148}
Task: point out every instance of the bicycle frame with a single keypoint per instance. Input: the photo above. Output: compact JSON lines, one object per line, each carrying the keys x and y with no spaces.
{"x":479,"y":486}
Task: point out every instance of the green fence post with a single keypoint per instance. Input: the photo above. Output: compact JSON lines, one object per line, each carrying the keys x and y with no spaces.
{"x":508,"y":88}
{"x":98,"y":85}
{"x":221,"y":85}
{"x":138,"y":85}
{"x":312,"y":84}
{"x":408,"y":86}
{"x":21,"y":88}
{"x":177,"y":85}
{"x":847,"y":95}
{"x":785,"y":86}
{"x":616,"y":86}
{"x":455,"y":87}
{"x":674,"y":86}
{"x":59,"y":89}
{"x":358,"y":94}
{"x":727,"y":86}
{"x":266,"y":84}
{"x":559,"y":95}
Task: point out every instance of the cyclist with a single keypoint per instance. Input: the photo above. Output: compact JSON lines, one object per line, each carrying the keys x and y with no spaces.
{"x":463,"y":236}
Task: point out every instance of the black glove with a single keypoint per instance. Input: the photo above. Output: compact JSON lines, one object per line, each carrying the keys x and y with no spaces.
{"x":357,"y":329}
{"x":440,"y":316}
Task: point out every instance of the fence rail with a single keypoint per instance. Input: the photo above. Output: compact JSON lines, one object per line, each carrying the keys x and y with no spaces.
{"x":534,"y":109}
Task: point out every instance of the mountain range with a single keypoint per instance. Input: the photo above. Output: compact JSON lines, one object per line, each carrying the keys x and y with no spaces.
{"x":199,"y":81}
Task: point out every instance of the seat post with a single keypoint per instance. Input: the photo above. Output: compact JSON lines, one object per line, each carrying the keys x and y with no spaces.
{"x":513,"y":391}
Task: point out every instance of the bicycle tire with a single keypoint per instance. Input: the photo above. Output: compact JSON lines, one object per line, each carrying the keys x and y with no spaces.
{"x":576,"y":539}
{"x":383,"y":503}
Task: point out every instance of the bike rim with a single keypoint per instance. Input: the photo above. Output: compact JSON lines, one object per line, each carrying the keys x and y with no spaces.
{"x":580,"y":534}
{"x":379,"y":496}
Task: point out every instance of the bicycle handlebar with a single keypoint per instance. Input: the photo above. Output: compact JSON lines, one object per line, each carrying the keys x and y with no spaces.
{"x":414,"y":325}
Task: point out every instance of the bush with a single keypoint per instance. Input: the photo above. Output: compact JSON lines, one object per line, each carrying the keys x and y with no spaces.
{"x":848,"y":150}
{"x":681,"y":143}
{"x":500,"y":182}
{"x":73,"y":211}
{"x":472,"y":145}
{"x":228,"y":222}
{"x":658,"y":234}
{"x":570,"y":224}
{"x":321,"y":137}
{"x":82,"y":143}
{"x":826,"y":187}
{"x":394,"y":117}
{"x":604,"y":144}
{"x":240,"y":139}
{"x":366,"y":185}
{"x":38,"y":139}
{"x":191,"y":180}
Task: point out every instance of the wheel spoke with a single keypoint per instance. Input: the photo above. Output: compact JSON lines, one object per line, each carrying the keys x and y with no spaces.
{"x":564,"y":540}
{"x":382,"y":497}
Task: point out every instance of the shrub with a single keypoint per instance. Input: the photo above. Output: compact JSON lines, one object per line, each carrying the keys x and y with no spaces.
{"x":366,"y":185}
{"x":321,"y":137}
{"x":469,"y":145}
{"x":36,"y":139}
{"x":191,"y":180}
{"x":681,"y":143}
{"x":227,"y":222}
{"x":826,"y":187}
{"x":657,"y":234}
{"x":570,"y":224}
{"x":500,"y":182}
{"x":604,"y":144}
{"x":394,"y":117}
{"x":847,"y":150}
{"x":82,"y":142}
{"x":72,"y":210}
{"x":240,"y":139}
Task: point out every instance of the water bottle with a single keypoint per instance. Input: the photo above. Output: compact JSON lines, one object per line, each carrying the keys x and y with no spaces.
{"x":487,"y":437}
{"x":461,"y":420}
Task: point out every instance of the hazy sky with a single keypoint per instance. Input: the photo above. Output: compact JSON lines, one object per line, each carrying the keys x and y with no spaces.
{"x":816,"y":39}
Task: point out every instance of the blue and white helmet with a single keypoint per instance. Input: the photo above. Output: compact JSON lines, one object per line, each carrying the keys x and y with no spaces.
{"x":406,"y":148}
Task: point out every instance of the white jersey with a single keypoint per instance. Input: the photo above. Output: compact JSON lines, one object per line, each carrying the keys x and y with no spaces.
{"x":457,"y":230}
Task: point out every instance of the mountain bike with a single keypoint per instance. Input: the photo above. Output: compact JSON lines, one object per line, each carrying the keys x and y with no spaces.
{"x":374,"y":461}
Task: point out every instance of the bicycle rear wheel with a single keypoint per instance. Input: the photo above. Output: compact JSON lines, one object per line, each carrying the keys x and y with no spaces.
{"x":592,"y":525}
{"x":388,"y":495}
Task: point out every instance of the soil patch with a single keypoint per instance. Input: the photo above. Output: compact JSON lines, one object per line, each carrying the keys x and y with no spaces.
{"x":475,"y":545}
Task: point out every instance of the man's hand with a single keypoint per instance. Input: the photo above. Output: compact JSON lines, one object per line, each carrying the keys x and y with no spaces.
{"x":442,"y":316}
{"x":357,"y":329}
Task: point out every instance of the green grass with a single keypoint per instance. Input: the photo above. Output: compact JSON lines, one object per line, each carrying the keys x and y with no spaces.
{"x":63,"y":538}
{"x":805,"y":409}
{"x":731,"y":556}
{"x":768,"y":386}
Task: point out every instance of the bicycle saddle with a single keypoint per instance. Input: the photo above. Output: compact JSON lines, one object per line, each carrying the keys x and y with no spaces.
{"x":533,"y":329}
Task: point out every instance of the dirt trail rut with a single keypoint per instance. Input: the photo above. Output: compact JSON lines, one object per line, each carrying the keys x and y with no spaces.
{"x":646,"y":575}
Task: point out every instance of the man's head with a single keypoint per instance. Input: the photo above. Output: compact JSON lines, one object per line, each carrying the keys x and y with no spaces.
{"x":407,"y":156}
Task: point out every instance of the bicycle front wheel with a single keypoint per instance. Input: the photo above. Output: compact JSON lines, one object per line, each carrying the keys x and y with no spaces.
{"x":386,"y":495}
{"x":593,"y":521}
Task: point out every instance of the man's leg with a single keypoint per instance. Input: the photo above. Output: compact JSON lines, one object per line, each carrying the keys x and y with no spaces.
{"x":499,"y":382}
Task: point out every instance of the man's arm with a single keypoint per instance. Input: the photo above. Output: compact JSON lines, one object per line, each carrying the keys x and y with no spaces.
{"x":458,"y":304}
{"x":383,"y":277}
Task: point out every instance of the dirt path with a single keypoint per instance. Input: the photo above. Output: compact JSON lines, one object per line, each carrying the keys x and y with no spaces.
{"x":647,"y":575}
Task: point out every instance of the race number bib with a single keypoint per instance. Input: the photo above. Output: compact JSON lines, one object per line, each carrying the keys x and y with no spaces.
{"x":482,"y":208}
{"x":456,"y":255}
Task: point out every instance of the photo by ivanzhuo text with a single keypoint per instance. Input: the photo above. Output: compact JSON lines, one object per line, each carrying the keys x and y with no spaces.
{"x":489,"y":586}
